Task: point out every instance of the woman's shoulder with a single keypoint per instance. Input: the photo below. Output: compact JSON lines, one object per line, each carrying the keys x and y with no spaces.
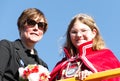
{"x":5,"y":42}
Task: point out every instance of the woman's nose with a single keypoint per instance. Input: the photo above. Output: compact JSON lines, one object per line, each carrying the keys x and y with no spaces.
{"x":36,"y":26}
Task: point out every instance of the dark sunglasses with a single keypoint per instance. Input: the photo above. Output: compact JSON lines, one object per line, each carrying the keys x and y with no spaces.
{"x":32,"y":23}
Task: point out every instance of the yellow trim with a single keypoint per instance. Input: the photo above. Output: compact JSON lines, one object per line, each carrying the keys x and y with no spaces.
{"x":99,"y":76}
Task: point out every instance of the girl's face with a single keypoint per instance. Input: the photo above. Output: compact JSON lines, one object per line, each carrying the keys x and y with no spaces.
{"x":32,"y":33}
{"x":81,"y":33}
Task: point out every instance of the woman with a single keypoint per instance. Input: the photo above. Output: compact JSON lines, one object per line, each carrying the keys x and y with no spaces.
{"x":32,"y":25}
{"x":85,"y":51}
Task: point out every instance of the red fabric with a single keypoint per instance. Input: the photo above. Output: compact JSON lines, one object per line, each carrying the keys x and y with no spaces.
{"x":96,"y":61}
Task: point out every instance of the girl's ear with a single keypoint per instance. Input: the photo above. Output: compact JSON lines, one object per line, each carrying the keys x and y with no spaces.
{"x":94,"y":32}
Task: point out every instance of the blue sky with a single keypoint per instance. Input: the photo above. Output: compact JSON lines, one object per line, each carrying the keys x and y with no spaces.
{"x":59,"y":13}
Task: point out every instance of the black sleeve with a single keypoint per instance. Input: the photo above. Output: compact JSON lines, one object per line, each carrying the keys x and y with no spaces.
{"x":4,"y":57}
{"x":43,"y":63}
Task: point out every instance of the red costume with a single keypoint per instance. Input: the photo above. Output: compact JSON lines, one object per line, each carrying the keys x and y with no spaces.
{"x":95,"y":61}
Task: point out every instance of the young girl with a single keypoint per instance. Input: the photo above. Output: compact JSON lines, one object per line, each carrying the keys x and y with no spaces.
{"x":85,"y":51}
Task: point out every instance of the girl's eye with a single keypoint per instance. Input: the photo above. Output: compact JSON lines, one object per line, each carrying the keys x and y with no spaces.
{"x":83,"y":30}
{"x":74,"y":32}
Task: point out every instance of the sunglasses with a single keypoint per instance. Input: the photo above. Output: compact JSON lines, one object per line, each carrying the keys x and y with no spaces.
{"x":32,"y":23}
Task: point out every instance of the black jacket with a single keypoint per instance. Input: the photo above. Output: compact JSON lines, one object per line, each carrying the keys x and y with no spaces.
{"x":14,"y":55}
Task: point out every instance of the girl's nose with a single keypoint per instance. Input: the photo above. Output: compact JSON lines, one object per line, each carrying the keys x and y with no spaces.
{"x":79,"y":34}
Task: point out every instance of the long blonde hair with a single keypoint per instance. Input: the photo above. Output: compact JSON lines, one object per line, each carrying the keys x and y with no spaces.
{"x":98,"y":42}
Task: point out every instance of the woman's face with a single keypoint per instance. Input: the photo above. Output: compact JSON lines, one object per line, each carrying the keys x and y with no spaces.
{"x":32,"y":33}
{"x":81,"y":33}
